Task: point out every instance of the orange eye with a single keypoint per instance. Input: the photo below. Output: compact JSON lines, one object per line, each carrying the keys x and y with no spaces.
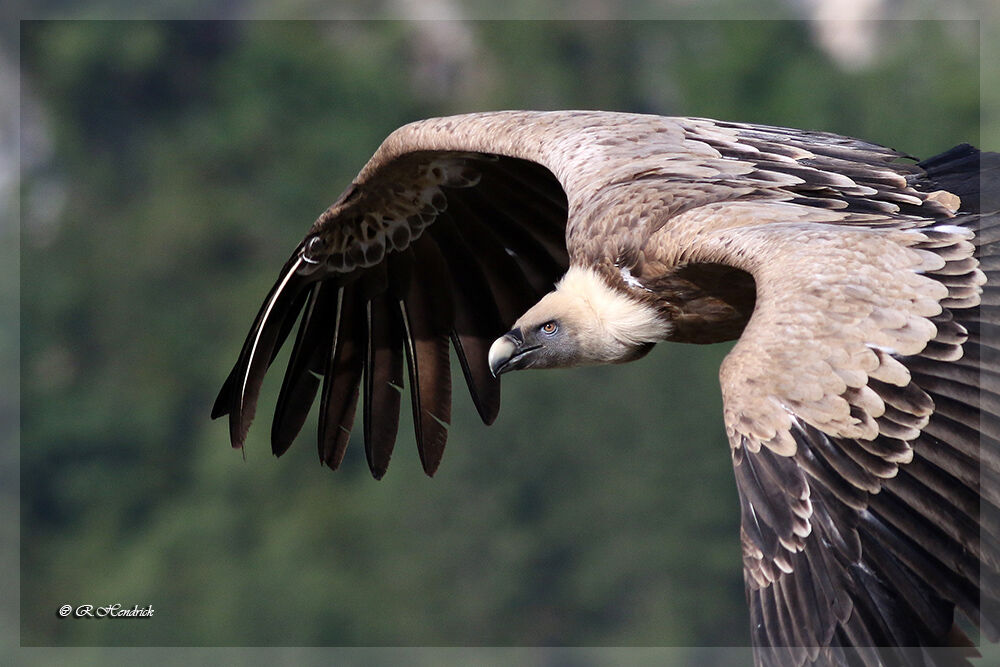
{"x":549,"y":328}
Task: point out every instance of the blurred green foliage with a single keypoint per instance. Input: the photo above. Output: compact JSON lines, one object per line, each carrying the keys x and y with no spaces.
{"x":186,"y":159}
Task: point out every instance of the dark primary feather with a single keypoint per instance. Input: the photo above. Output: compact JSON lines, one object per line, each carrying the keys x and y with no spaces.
{"x":301,"y":381}
{"x":238,"y":396}
{"x":428,"y":321}
{"x":476,"y":319}
{"x":341,"y":379}
{"x":383,"y":381}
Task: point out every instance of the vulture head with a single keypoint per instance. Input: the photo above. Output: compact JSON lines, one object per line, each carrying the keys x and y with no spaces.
{"x":583,"y":321}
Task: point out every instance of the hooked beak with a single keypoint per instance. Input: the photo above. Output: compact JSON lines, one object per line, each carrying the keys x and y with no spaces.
{"x":506,"y":351}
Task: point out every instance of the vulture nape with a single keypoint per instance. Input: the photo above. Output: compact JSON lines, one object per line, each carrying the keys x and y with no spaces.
{"x":862,"y":400}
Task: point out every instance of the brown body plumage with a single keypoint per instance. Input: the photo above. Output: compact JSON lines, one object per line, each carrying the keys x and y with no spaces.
{"x":860,"y":401}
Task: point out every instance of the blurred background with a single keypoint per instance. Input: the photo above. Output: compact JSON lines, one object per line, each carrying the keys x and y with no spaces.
{"x":168,"y":169}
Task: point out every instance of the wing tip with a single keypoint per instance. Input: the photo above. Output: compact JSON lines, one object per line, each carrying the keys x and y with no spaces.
{"x":491,"y":416}
{"x":239,"y":426}
{"x":224,"y":399}
{"x":219,"y":409}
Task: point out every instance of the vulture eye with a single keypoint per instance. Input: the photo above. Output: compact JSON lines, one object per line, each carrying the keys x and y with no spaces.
{"x":549,"y":328}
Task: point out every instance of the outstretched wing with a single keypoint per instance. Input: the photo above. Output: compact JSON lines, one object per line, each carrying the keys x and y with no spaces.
{"x":430,"y":249}
{"x":864,"y":423}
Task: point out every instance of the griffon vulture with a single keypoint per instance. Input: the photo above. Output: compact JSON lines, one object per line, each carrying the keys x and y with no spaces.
{"x":862,"y":401}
